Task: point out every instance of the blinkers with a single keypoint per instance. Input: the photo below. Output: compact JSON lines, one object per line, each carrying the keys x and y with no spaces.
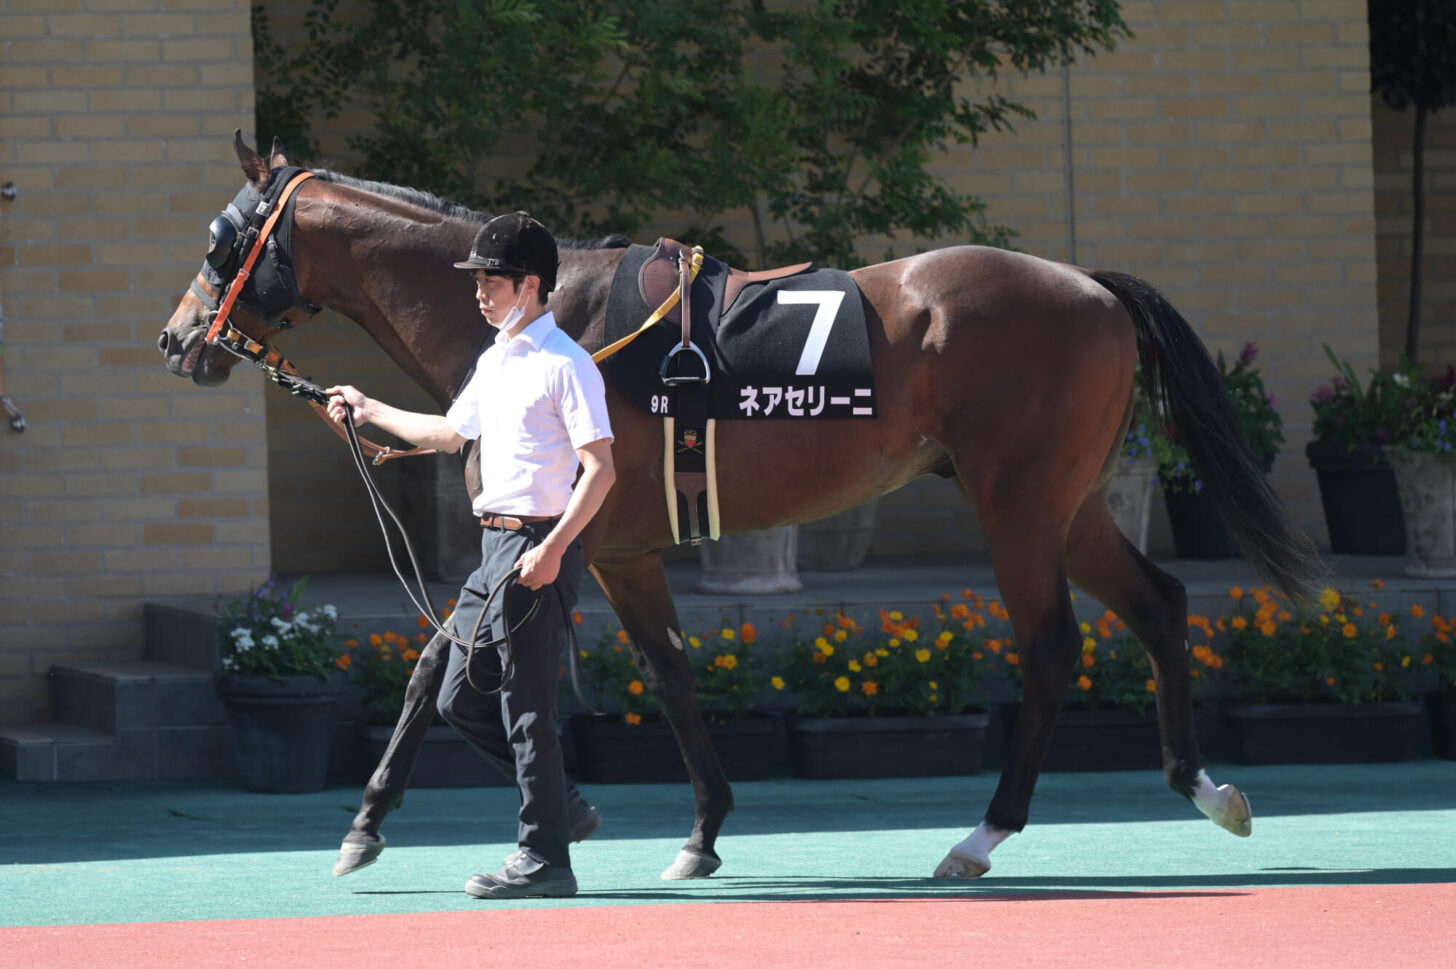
{"x":271,"y":290}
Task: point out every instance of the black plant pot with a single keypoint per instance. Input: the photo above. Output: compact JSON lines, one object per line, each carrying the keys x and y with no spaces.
{"x":1360,"y":498}
{"x":1326,"y":733}
{"x":1098,"y":740}
{"x":1443,"y":723}
{"x":861,"y":747}
{"x":1197,"y":531}
{"x":609,"y":751}
{"x":282,"y":729}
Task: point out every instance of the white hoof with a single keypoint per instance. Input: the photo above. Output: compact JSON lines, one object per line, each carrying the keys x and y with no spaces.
{"x":1232,"y":811}
{"x":691,"y":864}
{"x":957,"y":864}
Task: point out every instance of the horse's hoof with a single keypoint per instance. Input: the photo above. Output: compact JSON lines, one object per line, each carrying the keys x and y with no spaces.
{"x":692,"y":863}
{"x":1235,"y":816}
{"x":959,"y":865}
{"x":354,"y":855}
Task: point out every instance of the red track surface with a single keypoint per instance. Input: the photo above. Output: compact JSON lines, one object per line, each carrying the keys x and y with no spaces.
{"x":1359,"y":927}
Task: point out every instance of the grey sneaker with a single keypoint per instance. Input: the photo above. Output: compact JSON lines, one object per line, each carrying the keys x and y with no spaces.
{"x":523,"y":877}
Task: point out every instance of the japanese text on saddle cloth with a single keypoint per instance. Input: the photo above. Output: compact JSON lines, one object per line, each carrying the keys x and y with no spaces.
{"x":792,"y":347}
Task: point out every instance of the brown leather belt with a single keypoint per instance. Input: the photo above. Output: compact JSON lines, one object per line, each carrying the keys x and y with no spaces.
{"x":513,"y":523}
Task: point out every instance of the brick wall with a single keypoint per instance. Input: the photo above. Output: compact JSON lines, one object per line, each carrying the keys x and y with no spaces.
{"x":1394,"y":209}
{"x":129,"y":483}
{"x":1224,"y":154}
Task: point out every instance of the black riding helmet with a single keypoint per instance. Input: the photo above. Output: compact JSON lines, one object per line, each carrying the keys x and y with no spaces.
{"x":514,"y":245}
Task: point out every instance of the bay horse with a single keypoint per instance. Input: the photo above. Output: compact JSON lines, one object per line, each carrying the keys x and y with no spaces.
{"x":1009,"y":373}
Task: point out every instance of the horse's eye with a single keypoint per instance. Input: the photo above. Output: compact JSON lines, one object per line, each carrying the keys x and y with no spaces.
{"x":221,"y":235}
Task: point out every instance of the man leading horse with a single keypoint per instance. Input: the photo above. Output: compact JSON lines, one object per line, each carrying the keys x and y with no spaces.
{"x":536,"y":407}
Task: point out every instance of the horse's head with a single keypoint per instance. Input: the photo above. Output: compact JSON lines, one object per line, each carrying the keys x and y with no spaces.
{"x":269,"y":298}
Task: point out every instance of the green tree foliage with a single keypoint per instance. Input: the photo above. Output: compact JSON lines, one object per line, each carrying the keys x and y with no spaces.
{"x":1413,"y":62}
{"x":816,"y":118}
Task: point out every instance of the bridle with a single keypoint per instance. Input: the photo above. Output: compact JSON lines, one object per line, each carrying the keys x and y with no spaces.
{"x":249,"y":262}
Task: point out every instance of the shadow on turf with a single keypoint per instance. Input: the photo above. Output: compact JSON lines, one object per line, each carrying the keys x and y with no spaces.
{"x":810,"y":889}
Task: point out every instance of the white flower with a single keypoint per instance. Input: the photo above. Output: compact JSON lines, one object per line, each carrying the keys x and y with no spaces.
{"x":329,"y":611}
{"x":242,"y":632}
{"x":1401,"y":380}
{"x":282,"y":625}
{"x":227,"y":662}
{"x":271,"y":641}
{"x":305,"y":622}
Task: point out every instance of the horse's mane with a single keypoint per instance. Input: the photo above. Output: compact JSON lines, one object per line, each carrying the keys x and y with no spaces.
{"x":455,"y":210}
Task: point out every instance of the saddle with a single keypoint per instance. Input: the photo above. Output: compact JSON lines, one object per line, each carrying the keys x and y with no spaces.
{"x":660,"y":275}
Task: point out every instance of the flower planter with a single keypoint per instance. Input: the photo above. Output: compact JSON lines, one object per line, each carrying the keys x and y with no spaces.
{"x":1427,"y":484}
{"x":1198,"y":533}
{"x":1325,"y":733}
{"x":446,"y":759}
{"x":838,"y":543}
{"x":847,"y":747}
{"x":1129,"y":499}
{"x":1360,"y":499}
{"x":1443,"y":724}
{"x":1098,"y":740}
{"x":609,"y":751}
{"x":281,"y":730}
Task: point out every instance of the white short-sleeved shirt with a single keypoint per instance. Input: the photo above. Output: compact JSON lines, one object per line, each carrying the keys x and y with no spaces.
{"x":533,"y":400}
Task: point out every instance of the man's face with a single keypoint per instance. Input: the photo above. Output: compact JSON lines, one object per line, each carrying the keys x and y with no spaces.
{"x":495,"y":295}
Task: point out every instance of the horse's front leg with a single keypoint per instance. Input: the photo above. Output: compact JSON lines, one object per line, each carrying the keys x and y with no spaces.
{"x":638,"y":592}
{"x":385,"y":790}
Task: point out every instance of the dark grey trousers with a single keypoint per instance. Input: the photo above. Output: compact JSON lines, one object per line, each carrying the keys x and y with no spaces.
{"x":515,"y":729}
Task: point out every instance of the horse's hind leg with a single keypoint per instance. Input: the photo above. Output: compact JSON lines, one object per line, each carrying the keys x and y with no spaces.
{"x":638,"y":592}
{"x":385,"y":790}
{"x":1155,"y":607}
{"x":1033,"y":587}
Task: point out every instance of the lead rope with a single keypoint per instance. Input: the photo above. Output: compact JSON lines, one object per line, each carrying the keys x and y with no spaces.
{"x":427,"y":609}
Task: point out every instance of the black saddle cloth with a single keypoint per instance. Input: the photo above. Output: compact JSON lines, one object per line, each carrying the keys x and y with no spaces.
{"x":754,"y":353}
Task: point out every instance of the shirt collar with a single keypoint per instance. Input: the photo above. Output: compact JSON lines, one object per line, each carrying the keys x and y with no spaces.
{"x":535,"y":332}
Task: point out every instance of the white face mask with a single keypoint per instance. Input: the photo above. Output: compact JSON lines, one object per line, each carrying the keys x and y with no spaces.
{"x":514,"y":314}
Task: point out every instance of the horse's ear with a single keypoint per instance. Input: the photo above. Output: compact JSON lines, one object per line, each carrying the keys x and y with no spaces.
{"x":276,"y":158}
{"x":253,"y":166}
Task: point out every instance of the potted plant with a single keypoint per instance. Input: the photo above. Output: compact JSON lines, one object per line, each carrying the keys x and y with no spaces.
{"x":1325,"y":683}
{"x":628,"y":742}
{"x":1422,"y":453}
{"x":277,"y":680}
{"x":1198,"y":533}
{"x":1352,"y":426}
{"x":1108,"y":721}
{"x":900,"y":701}
{"x":382,"y":666}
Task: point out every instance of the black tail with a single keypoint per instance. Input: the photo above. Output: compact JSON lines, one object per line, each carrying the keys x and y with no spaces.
{"x":1180,"y":375}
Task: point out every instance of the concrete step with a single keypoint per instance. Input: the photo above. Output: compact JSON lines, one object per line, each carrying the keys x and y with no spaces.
{"x":115,"y":696}
{"x":124,"y":721}
{"x":64,"y":752}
